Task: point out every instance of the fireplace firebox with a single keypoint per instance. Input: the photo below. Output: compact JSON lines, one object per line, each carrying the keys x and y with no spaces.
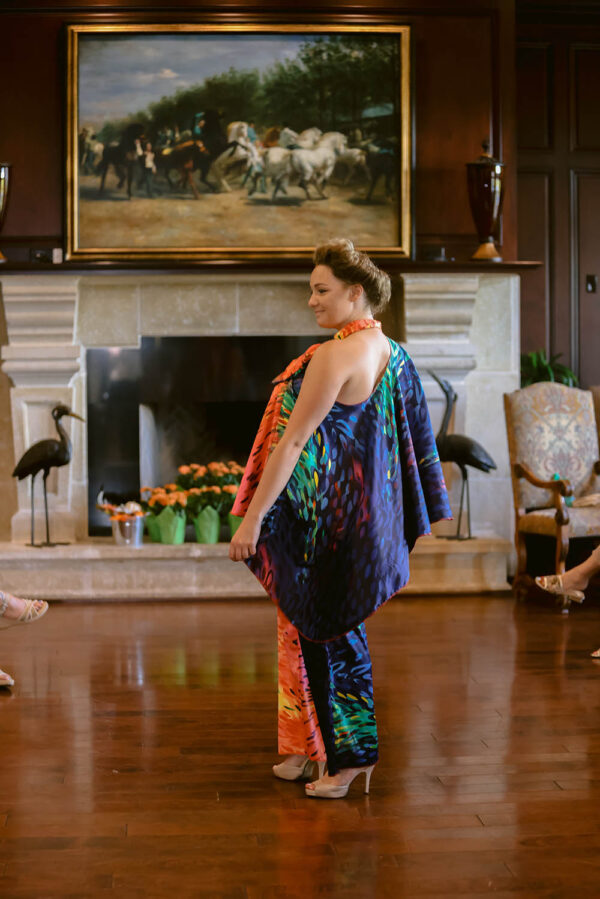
{"x":175,"y":400}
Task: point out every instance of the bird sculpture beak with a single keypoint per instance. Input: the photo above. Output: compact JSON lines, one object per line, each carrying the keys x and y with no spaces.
{"x":75,"y":415}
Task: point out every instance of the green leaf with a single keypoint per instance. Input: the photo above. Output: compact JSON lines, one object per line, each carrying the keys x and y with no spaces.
{"x":535,"y":367}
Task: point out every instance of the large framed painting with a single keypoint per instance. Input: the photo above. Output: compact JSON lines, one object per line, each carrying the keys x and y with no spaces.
{"x":237,"y":141}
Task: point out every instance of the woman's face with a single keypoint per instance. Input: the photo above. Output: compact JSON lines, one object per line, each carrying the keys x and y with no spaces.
{"x":334,"y":302}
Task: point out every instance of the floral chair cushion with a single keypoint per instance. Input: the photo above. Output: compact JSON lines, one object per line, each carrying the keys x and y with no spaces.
{"x":582,"y":522}
{"x":551,"y":430}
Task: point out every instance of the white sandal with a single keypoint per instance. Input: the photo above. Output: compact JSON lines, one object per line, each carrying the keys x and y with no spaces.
{"x":6,"y":680}
{"x":34,"y":609}
{"x":553,"y":583}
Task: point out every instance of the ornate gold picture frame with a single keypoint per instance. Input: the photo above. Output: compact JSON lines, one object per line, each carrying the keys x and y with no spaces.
{"x":225,"y":142}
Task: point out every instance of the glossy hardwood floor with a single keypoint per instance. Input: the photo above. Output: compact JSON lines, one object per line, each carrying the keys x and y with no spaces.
{"x":136,"y":749}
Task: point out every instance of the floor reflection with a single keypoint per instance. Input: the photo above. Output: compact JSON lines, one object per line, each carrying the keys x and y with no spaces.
{"x":140,"y":737}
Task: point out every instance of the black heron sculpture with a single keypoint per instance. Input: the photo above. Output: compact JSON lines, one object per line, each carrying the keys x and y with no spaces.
{"x":462,"y":450}
{"x":44,"y":455}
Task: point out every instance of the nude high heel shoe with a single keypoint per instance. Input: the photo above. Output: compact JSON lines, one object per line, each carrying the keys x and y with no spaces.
{"x":334,"y":791}
{"x":288,"y":771}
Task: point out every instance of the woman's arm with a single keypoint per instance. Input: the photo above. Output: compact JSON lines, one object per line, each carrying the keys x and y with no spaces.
{"x":326,"y":374}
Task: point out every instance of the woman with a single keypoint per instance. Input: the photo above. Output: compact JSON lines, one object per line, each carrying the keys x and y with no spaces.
{"x":573,"y":582}
{"x":342,"y":478}
{"x":14,"y":610}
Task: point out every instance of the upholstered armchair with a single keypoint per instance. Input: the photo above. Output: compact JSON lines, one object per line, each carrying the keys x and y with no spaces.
{"x":552,"y":432}
{"x":596,"y":395}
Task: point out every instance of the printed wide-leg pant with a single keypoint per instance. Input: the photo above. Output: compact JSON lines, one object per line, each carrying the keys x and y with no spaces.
{"x":326,"y":708}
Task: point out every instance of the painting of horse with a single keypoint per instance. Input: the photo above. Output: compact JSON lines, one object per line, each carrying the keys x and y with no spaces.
{"x":216,"y":142}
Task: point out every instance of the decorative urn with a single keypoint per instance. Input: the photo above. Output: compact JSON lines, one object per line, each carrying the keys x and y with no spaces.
{"x":485,"y":180}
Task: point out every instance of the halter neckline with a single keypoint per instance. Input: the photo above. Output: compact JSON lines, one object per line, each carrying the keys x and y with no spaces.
{"x":361,"y":324}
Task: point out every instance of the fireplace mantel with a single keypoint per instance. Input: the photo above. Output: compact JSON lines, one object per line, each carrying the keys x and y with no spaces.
{"x":460,"y":320}
{"x":393,"y":265}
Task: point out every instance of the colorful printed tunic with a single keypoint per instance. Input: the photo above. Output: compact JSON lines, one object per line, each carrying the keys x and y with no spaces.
{"x":334,"y":547}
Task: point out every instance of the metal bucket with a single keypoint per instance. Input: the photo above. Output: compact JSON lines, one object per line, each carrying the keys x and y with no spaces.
{"x":128,"y":531}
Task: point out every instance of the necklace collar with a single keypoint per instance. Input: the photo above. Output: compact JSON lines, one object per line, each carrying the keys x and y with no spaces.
{"x":352,"y":327}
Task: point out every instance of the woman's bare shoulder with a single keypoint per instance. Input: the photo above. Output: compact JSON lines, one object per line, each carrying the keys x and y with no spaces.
{"x":333,"y":354}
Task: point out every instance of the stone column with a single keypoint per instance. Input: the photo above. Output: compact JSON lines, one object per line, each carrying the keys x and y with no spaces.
{"x":495,"y":333}
{"x":465,"y":328}
{"x":46,"y":367}
{"x":438,"y":312}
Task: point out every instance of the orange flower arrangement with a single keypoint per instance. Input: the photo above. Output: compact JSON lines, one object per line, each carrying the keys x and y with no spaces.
{"x":124,"y":512}
{"x":213,"y":474}
{"x":196,"y":487}
{"x":230,"y":491}
{"x":123,"y":516}
{"x":175,"y":498}
{"x":201,"y":497}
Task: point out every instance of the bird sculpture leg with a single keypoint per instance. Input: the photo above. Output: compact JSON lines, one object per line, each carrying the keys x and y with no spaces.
{"x":32,"y":513}
{"x":468,"y":504}
{"x":460,"y":508}
{"x":46,"y":510}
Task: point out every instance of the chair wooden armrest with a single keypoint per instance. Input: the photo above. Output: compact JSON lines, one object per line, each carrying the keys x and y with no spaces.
{"x":559,"y":489}
{"x":561,"y":486}
{"x":597,"y":467}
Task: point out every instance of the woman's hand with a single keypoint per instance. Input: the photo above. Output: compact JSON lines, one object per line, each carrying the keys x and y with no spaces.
{"x":243,"y":542}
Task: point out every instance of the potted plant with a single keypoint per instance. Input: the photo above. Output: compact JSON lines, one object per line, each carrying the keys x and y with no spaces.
{"x":203,"y":510}
{"x":229,"y":494}
{"x":169,"y":507}
{"x":127,"y":521}
{"x":536,"y":366}
{"x":211,"y":487}
{"x":151,"y":512}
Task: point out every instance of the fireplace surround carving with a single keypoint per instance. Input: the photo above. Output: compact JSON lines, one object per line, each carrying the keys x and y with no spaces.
{"x":463,"y":325}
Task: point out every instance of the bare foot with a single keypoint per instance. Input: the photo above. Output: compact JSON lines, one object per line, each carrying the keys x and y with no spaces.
{"x":575,"y":579}
{"x":298,"y":761}
{"x":17,"y":606}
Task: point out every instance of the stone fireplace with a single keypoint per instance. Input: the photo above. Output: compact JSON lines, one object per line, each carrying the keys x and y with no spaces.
{"x":175,"y":400}
{"x":463,"y":325}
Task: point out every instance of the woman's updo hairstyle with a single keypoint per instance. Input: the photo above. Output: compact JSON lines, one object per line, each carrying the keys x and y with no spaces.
{"x":354,"y":267}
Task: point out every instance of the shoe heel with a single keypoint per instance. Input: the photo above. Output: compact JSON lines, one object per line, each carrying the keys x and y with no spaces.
{"x":368,"y":772}
{"x":312,"y":767}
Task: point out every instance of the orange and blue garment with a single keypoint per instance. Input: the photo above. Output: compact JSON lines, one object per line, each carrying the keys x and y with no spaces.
{"x":335,"y":544}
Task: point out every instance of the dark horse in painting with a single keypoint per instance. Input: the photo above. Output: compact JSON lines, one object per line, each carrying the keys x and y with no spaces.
{"x":122,"y":156}
{"x":381,"y":163}
{"x":197,"y":155}
{"x":185,"y":158}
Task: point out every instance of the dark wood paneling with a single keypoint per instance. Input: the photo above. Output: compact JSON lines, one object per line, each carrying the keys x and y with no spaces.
{"x":463,"y":88}
{"x":587,"y":240}
{"x":575,"y":50}
{"x":454,"y":114}
{"x":535,"y":229}
{"x":534,"y":97}
{"x":31,"y":125}
{"x":557,"y":12}
{"x":585,"y":97}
